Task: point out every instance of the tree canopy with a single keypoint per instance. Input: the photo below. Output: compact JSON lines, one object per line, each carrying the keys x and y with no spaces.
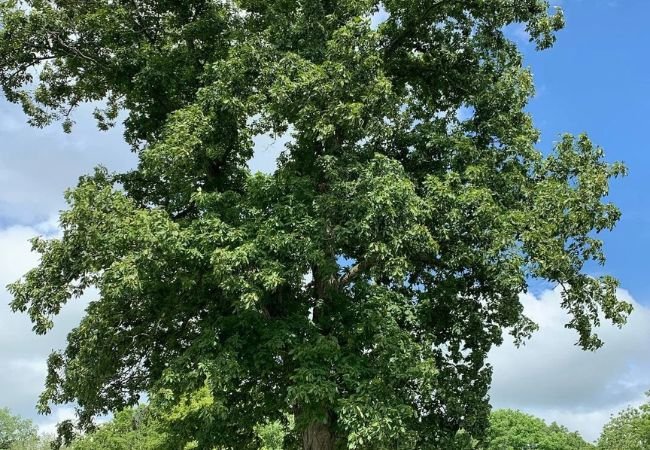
{"x":358,"y":288}
{"x":515,"y":430}
{"x":132,"y":428}
{"x":629,"y":430}
{"x":17,"y":433}
{"x":15,"y":430}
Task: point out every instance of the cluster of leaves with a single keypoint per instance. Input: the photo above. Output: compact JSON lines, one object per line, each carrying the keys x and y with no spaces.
{"x":359,"y":288}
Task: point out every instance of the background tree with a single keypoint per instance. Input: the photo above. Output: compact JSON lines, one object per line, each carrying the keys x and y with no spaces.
{"x":629,"y":430}
{"x":132,"y":428}
{"x":144,"y":428}
{"x":359,"y":288}
{"x":515,"y":430}
{"x":17,"y":433}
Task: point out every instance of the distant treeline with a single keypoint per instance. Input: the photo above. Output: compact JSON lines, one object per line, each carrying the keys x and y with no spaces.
{"x":143,"y":428}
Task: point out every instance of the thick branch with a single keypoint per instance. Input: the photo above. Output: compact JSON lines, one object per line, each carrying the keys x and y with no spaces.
{"x":353,"y":273}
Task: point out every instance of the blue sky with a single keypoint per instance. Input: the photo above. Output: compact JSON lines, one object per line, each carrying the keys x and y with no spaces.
{"x":596,"y":80}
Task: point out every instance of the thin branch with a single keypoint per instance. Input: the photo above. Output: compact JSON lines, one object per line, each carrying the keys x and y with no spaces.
{"x":74,"y":50}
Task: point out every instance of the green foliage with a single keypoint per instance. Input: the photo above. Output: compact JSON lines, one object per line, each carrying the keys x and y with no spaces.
{"x":514,"y":430}
{"x":271,"y":435}
{"x":15,"y":430}
{"x":360,"y":287}
{"x":129,"y":429}
{"x":17,"y":433}
{"x":629,"y":430}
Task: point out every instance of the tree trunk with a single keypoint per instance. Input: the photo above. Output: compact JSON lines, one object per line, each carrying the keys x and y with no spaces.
{"x":318,"y":436}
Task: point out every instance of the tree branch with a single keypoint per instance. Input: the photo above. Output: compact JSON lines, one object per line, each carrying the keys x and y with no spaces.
{"x":353,"y":273}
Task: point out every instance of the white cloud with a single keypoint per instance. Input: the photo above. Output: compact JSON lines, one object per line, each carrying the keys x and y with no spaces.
{"x":23,"y":353}
{"x":49,"y":426}
{"x":553,"y":378}
{"x":36,"y":166}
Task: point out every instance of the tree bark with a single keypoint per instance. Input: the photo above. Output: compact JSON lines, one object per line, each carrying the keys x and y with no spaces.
{"x":318,"y":436}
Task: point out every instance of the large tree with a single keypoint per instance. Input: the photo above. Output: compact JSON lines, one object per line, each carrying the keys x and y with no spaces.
{"x":358,"y":288}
